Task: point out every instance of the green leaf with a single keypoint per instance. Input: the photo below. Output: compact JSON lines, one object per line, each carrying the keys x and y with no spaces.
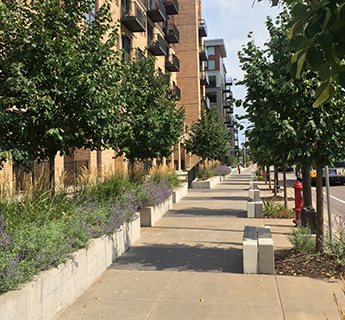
{"x":300,"y":11}
{"x":323,"y":93}
{"x":325,"y":40}
{"x":324,"y":72}
{"x":341,"y":79}
{"x":313,"y":28}
{"x":314,"y":57}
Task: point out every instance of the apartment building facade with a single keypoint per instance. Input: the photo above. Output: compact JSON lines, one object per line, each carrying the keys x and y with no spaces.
{"x":218,"y":90}
{"x":171,"y":31}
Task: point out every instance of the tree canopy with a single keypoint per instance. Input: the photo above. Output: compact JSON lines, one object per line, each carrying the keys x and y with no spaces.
{"x":318,"y":42}
{"x":208,"y":137}
{"x":287,"y":128}
{"x":151,"y":123}
{"x":59,"y":78}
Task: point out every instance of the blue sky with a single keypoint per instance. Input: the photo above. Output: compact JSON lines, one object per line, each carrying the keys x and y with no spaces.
{"x":232,"y":20}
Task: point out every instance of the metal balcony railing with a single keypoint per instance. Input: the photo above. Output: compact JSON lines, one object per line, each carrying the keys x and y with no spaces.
{"x":172,"y":34}
{"x":171,"y":6}
{"x":156,"y":10}
{"x":175,"y":92}
{"x":204,"y":78}
{"x":172,"y":63}
{"x":202,"y":28}
{"x":157,"y":45}
{"x":132,"y":16}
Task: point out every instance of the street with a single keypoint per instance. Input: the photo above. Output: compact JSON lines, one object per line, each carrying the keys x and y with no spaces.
{"x":337,"y":193}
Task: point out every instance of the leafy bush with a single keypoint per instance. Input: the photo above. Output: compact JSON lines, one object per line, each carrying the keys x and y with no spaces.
{"x":336,"y":248}
{"x":302,"y":240}
{"x":276,"y":210}
{"x":232,"y":161}
{"x":30,"y":243}
{"x":165,"y":172}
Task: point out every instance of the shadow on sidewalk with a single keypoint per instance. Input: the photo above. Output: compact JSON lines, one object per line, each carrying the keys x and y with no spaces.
{"x":215,"y":198}
{"x":181,"y":257}
{"x":202,"y":212}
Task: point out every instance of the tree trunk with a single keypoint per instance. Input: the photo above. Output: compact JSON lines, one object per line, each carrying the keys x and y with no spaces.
{"x":319,"y":209}
{"x":269,"y":177}
{"x":285,"y":189}
{"x":275,"y":181}
{"x":264,"y":173}
{"x":52,"y":174}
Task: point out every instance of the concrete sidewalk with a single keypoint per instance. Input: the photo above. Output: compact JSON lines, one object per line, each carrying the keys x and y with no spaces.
{"x":189,"y":266}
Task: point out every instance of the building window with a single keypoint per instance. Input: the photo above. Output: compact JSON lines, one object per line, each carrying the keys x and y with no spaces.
{"x":211,"y":51}
{"x":90,"y":16}
{"x":211,"y":65}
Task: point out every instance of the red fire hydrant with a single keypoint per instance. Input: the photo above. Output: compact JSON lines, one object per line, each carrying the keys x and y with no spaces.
{"x":298,"y":201}
{"x":239,"y":169}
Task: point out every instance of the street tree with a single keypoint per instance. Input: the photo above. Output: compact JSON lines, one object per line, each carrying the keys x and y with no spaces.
{"x":151,"y":123}
{"x":318,"y":42}
{"x":284,"y":119}
{"x":208,"y":136}
{"x":59,"y":78}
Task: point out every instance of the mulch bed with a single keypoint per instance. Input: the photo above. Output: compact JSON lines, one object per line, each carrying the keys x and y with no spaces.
{"x":314,"y":266}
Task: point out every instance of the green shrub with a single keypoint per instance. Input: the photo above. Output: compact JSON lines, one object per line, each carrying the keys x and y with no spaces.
{"x":302,"y":240}
{"x":260,"y":178}
{"x":336,"y":247}
{"x":276,"y":210}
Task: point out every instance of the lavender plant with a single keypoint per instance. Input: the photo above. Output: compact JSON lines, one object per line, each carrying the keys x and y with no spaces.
{"x":221,"y":171}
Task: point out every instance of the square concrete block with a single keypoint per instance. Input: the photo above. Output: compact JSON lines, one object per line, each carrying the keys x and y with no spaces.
{"x":254,"y":208}
{"x":254,"y":193}
{"x":253,"y":185}
{"x":250,"y":250}
{"x":265,"y":248}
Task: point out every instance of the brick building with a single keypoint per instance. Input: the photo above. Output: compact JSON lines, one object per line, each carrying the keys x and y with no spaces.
{"x":172,"y":31}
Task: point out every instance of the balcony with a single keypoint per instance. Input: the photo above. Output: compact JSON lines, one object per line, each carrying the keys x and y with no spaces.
{"x":226,"y":89}
{"x":172,"y":63}
{"x":207,"y":103}
{"x":174,"y":92}
{"x":172,"y":34}
{"x":171,"y":6}
{"x":228,"y":82}
{"x":202,"y":28}
{"x":229,"y":110}
{"x":156,"y":10}
{"x":203,"y":56}
{"x":132,"y":16}
{"x":228,"y":96}
{"x":158,"y":46}
{"x":204,"y":78}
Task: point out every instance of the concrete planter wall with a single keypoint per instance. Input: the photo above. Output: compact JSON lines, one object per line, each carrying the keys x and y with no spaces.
{"x":149,"y":216}
{"x":179,"y":193}
{"x":53,"y":290}
{"x":206,"y":184}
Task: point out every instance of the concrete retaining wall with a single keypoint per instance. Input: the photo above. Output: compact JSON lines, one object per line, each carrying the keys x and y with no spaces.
{"x":179,"y":193}
{"x":53,"y":290}
{"x":149,"y":216}
{"x":207,"y":184}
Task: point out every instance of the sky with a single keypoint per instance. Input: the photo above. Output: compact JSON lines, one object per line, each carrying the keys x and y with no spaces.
{"x":232,"y":20}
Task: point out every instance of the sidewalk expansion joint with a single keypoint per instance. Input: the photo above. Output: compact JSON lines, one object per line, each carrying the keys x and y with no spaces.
{"x":279,"y":297}
{"x":162,"y":295}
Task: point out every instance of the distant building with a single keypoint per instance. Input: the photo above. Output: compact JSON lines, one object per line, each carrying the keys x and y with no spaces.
{"x":218,"y":90}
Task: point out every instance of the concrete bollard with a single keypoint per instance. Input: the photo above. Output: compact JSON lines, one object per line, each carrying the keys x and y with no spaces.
{"x":250,"y":250}
{"x":254,"y":208}
{"x":265,"y":250}
{"x":254,"y":193}
{"x":253,"y":185}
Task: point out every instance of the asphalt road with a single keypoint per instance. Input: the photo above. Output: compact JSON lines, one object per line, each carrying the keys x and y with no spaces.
{"x":337,"y":193}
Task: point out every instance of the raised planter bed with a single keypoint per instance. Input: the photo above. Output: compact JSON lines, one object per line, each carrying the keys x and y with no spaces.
{"x":150,"y":215}
{"x":179,"y":193}
{"x":53,"y":290}
{"x":205,"y":184}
